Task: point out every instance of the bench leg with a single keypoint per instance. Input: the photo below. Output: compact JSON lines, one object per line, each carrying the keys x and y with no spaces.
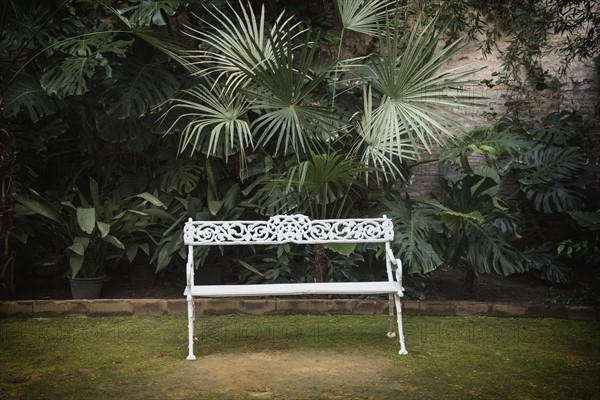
{"x":400,"y":330}
{"x":191,"y":318}
{"x":391,"y":334}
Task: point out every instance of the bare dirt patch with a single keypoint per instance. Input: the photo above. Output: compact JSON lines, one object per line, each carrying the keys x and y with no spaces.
{"x":285,"y":375}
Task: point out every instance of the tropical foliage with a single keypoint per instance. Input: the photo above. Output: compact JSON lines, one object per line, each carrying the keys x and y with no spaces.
{"x":126,"y":118}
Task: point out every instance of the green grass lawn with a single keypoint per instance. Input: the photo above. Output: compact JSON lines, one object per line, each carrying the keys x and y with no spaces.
{"x":125,"y":357}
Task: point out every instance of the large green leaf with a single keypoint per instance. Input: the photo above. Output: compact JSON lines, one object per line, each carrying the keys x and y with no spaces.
{"x":137,"y":88}
{"x":38,"y":205}
{"x":76,"y":253}
{"x":344,"y":249}
{"x":114,"y":241}
{"x":181,"y":178}
{"x":79,"y":59}
{"x":493,"y":143}
{"x":417,"y":234}
{"x":488,"y":252}
{"x":86,"y":218}
{"x":587,"y":219}
{"x":455,"y":220}
{"x":28,"y":27}
{"x":556,"y":196}
{"x":25,"y":92}
{"x":558,"y":128}
{"x":146,"y":12}
{"x":542,"y":165}
{"x":95,"y":44}
{"x":151,"y":199}
{"x":70,"y":76}
{"x":549,"y":177}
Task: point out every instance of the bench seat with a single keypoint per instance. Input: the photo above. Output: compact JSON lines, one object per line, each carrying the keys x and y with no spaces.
{"x":291,"y":289}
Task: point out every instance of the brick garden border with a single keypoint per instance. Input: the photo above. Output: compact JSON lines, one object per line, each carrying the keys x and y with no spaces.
{"x":295,"y":306}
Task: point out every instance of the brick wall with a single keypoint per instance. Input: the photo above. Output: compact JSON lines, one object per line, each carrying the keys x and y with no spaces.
{"x":579,"y":91}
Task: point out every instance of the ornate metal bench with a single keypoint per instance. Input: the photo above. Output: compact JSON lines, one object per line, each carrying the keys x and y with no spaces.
{"x":294,"y":229}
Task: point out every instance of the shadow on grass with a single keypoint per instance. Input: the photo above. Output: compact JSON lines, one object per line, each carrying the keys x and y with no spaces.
{"x":297,"y":356}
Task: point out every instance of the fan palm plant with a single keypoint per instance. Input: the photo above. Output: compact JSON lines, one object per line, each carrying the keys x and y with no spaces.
{"x":273,"y":70}
{"x":414,"y":91}
{"x":324,"y":186}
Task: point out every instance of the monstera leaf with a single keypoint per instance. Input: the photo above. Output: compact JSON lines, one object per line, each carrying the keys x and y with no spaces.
{"x":77,"y":61}
{"x":137,"y":89}
{"x":488,"y":252}
{"x":417,"y":234}
{"x":556,"y":197}
{"x":544,"y":165}
{"x":558,"y":128}
{"x":28,"y":27}
{"x":549,"y":178}
{"x":502,"y":140}
{"x":25,"y":92}
{"x":146,"y":12}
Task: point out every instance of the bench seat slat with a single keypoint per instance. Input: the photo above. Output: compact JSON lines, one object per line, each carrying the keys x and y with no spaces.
{"x":291,"y":289}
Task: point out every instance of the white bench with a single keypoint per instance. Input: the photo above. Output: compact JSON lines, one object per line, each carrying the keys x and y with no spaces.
{"x":294,"y":229}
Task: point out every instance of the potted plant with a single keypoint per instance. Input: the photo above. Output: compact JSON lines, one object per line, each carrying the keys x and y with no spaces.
{"x":89,"y":234}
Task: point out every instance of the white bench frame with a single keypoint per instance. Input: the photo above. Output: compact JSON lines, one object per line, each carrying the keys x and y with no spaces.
{"x":299,"y":229}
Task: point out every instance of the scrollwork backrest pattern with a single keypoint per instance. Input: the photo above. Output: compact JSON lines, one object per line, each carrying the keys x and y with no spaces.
{"x":288,"y":228}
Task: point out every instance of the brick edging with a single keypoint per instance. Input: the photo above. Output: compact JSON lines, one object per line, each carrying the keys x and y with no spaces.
{"x":295,"y":306}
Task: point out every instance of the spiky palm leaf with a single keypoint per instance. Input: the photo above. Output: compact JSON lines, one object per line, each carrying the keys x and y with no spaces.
{"x":283,"y":88}
{"x":363,"y":16}
{"x":377,"y":146}
{"x":414,"y":90}
{"x":319,"y":186}
{"x":238,"y":44}
{"x":215,"y":121}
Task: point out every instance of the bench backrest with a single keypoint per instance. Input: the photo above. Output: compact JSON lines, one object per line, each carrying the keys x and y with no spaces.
{"x":288,"y":229}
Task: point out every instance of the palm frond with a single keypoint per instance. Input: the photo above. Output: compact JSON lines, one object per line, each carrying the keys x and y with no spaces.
{"x":320,"y":186}
{"x":363,"y":16}
{"x":215,"y":121}
{"x":282,"y":88}
{"x":239,"y":44}
{"x":414,"y":90}
{"x":383,"y":150}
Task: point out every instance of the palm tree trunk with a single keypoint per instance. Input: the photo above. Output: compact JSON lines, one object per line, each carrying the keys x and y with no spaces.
{"x":471,"y":284}
{"x":321,"y":262}
{"x":7,"y":258}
